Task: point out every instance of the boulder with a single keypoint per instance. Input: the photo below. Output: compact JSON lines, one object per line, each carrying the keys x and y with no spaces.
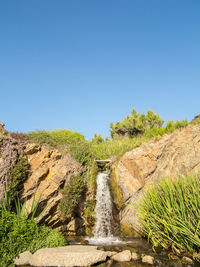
{"x":187,"y":260}
{"x":148,"y":259}
{"x":122,"y":256}
{"x":69,"y":256}
{"x":175,"y":153}
{"x":23,"y":258}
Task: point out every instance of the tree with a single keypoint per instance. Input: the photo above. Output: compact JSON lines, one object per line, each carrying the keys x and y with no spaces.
{"x":136,"y":124}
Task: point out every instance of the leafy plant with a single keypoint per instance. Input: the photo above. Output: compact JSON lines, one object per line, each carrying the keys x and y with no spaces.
{"x":18,"y":234}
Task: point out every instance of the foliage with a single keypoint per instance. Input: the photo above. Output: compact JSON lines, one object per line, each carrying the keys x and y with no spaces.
{"x":169,"y":213}
{"x":16,"y":178}
{"x":126,"y":135}
{"x":136,"y":124}
{"x":89,"y":215}
{"x":56,"y":137}
{"x":116,"y":147}
{"x":46,"y":238}
{"x":72,"y":194}
{"x":18,"y":234}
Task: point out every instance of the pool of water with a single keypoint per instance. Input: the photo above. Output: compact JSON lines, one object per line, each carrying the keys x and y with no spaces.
{"x":138,"y":245}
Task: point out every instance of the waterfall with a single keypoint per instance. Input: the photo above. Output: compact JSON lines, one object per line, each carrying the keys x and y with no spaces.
{"x":103,"y":227}
{"x":103,"y":207}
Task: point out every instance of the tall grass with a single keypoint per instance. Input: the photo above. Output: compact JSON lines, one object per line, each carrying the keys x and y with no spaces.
{"x":169,"y":213}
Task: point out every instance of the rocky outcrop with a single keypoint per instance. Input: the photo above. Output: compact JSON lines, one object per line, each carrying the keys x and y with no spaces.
{"x":173,"y":154}
{"x":9,"y":152}
{"x":65,"y":256}
{"x":49,"y":172}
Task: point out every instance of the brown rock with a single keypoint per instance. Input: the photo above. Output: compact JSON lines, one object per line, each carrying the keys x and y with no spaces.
{"x":187,"y":260}
{"x":176,"y":153}
{"x":148,"y":259}
{"x":69,"y":256}
{"x":23,"y":258}
{"x":49,"y":171}
{"x":122,"y":256}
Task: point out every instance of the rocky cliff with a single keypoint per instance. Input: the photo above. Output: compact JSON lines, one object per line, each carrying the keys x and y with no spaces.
{"x":175,"y":153}
{"x":49,"y":171}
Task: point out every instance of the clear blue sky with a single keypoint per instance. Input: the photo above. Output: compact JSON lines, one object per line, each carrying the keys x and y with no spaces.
{"x":81,"y":64}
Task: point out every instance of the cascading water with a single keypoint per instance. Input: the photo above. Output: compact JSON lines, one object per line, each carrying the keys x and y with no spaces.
{"x":103,"y":230}
{"x":103,"y":207}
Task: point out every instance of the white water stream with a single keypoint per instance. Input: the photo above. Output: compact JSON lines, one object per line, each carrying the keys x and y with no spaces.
{"x":103,"y":227}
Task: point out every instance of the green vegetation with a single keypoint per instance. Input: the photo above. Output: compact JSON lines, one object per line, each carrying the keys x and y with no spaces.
{"x":169,"y":213}
{"x":18,"y":230}
{"x":126,"y":135}
{"x":18,"y":234}
{"x":17,"y":175}
{"x":72,"y":194}
{"x":67,"y":141}
{"x":136,"y":124}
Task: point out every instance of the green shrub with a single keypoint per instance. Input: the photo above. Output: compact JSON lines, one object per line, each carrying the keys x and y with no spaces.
{"x":56,"y":137}
{"x":169,"y":213}
{"x":71,"y":196}
{"x":18,"y":234}
{"x":46,"y":238}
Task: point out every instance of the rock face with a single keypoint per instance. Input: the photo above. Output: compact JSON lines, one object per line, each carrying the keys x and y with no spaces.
{"x":49,"y":172}
{"x":176,"y":153}
{"x":9,"y":148}
{"x":67,"y":256}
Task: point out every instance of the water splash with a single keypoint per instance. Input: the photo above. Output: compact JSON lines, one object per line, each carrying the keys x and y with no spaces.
{"x":103,"y":227}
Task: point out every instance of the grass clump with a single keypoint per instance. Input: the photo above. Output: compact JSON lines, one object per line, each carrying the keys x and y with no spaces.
{"x":169,"y":213}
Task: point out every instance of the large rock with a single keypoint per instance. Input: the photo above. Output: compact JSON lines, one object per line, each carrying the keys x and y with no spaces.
{"x":176,"y":153}
{"x":23,"y":258}
{"x":49,"y":172}
{"x":122,"y":256}
{"x":69,"y":256}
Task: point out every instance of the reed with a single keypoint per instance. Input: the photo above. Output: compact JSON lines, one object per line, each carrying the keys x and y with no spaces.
{"x":169,"y":213}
